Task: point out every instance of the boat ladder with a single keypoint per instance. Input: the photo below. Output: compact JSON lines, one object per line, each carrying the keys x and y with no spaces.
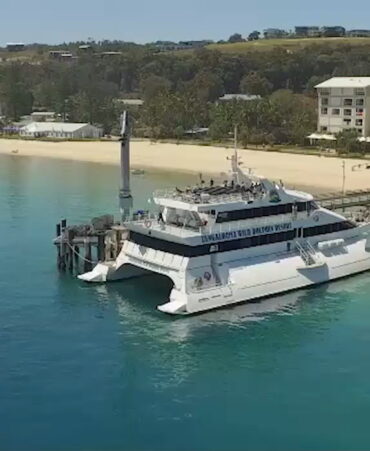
{"x":308,"y":253}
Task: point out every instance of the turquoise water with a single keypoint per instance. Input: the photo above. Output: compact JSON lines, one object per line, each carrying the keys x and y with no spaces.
{"x":86,"y":367}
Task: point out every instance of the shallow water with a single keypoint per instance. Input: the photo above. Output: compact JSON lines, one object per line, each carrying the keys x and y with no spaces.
{"x":86,"y":367}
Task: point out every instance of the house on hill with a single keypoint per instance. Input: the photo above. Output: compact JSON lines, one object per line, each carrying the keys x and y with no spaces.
{"x":307,"y":32}
{"x":15,"y":46}
{"x":333,"y":32}
{"x":359,"y":33}
{"x":43,"y":116}
{"x":274,"y":33}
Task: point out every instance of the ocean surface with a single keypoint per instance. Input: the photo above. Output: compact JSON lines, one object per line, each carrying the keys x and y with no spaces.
{"x":97,"y":367}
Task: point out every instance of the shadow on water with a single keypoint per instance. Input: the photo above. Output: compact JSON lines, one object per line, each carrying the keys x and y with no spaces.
{"x":252,"y":337}
{"x":136,"y":301}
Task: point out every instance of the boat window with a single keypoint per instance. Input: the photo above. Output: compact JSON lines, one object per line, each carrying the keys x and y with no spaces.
{"x":183,"y":218}
{"x":224,"y":246}
{"x":313,"y":205}
{"x":248,"y":213}
{"x":328,"y":228}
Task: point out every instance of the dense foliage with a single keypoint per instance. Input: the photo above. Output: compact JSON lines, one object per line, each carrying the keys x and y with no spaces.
{"x":180,"y":89}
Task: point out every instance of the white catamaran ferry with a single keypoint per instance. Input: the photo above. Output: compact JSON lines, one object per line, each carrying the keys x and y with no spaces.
{"x":247,"y":239}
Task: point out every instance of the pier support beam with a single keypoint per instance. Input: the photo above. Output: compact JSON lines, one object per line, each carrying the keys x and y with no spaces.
{"x":63,"y":227}
{"x":88,"y":255}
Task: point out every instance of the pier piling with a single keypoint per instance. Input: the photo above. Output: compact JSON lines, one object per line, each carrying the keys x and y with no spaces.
{"x":70,"y":257}
{"x":77,"y":258}
{"x":59,"y":256}
{"x":101,"y":247}
{"x":75,"y":244}
{"x":63,"y":256}
{"x":88,"y":255}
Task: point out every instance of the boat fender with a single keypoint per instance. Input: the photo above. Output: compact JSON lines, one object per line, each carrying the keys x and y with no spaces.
{"x":316,"y":218}
{"x":148,"y":223}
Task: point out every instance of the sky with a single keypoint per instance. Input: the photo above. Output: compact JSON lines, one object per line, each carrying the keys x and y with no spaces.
{"x":52,"y":22}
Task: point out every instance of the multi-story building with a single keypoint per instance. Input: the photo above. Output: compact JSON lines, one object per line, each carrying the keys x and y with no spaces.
{"x":333,"y":32}
{"x":307,"y":32}
{"x":344,"y":103}
{"x":274,"y":33}
{"x":359,"y":33}
{"x":15,"y":46}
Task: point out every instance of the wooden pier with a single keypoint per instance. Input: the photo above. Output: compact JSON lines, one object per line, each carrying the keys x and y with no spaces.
{"x":340,"y":201}
{"x":81,"y":247}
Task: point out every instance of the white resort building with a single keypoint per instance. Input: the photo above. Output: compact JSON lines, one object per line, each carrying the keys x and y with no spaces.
{"x":61,"y":130}
{"x":344,"y":103}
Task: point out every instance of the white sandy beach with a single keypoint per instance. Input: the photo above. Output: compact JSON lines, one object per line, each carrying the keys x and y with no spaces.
{"x":320,"y":173}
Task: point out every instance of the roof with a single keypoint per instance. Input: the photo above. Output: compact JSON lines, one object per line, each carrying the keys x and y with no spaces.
{"x":239,"y":97}
{"x":137,"y":102}
{"x":43,"y":113}
{"x":327,"y":137}
{"x":42,"y":127}
{"x":322,"y":136}
{"x":345,"y":82}
{"x":197,"y":131}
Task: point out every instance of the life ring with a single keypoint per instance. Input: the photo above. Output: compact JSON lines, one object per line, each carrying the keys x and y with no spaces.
{"x":148,"y":223}
{"x":207,"y":275}
{"x":316,"y":218}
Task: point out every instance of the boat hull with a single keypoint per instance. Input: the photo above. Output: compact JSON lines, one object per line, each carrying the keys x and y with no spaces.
{"x":267,"y":278}
{"x":224,"y":279}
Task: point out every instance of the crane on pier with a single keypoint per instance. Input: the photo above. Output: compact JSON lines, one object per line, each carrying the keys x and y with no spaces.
{"x":125,"y":197}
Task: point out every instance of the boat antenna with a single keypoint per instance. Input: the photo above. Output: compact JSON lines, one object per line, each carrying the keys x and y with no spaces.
{"x":125,"y":198}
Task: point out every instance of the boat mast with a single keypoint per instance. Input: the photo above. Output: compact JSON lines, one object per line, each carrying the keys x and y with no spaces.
{"x":125,"y":198}
{"x":234,"y":158}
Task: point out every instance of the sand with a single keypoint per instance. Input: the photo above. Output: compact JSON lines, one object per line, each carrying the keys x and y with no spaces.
{"x":321,"y":173}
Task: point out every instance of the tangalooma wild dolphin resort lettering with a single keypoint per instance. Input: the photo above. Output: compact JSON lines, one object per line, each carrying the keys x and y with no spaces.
{"x":235,"y":234}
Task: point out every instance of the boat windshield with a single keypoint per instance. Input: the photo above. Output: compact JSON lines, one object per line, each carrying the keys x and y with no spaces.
{"x":182,"y":218}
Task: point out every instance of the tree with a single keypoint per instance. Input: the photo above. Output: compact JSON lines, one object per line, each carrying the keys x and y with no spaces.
{"x":295,"y":115}
{"x":153,"y":85}
{"x":14,"y":92}
{"x":347,"y":141}
{"x":206,"y":86}
{"x":236,"y":37}
{"x":254,"y":36}
{"x":255,"y":83}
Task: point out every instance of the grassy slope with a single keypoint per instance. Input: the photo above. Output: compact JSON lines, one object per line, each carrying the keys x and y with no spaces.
{"x":237,"y":48}
{"x":24,"y":55}
{"x":289,"y":44}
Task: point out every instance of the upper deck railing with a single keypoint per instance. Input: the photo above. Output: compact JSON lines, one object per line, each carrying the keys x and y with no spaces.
{"x":204,"y":197}
{"x":150,"y":222}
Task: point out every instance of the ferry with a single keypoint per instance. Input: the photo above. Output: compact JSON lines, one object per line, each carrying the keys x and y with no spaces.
{"x":244,"y":239}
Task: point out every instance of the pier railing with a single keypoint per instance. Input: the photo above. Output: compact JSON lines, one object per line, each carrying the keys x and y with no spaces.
{"x":335,"y":201}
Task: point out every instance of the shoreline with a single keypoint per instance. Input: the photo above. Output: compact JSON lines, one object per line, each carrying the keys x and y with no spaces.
{"x":319,"y":173}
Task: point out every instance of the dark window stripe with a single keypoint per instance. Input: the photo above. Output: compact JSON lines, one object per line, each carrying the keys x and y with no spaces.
{"x":232,"y":245}
{"x":327,"y":228}
{"x":248,"y":213}
{"x":205,"y":249}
